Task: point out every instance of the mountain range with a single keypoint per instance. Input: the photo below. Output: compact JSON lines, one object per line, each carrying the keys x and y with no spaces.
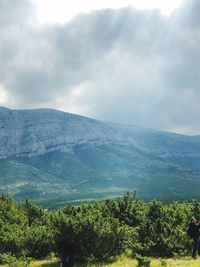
{"x":50,"y":155}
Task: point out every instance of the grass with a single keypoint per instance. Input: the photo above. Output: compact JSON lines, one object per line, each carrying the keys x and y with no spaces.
{"x":121,"y":262}
{"x":41,"y":263}
{"x":127,"y":262}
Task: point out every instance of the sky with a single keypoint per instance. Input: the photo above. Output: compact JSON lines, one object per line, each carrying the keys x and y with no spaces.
{"x":133,"y":62}
{"x":61,"y":11}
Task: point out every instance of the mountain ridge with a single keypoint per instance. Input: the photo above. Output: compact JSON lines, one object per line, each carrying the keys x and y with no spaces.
{"x":45,"y":151}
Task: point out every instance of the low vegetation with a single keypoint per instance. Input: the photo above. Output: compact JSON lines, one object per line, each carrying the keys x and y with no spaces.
{"x":146,"y":232}
{"x":120,"y":262}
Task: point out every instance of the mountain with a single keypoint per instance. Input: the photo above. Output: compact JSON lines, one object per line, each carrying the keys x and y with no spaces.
{"x":50,"y":155}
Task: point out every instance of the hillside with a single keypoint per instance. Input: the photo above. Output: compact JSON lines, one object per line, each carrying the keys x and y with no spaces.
{"x":49,"y":154}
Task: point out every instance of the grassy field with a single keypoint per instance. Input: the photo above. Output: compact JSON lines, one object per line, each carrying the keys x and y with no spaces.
{"x":121,"y":262}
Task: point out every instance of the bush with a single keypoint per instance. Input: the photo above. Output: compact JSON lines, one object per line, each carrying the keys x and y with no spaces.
{"x":12,"y":261}
{"x":92,"y":236}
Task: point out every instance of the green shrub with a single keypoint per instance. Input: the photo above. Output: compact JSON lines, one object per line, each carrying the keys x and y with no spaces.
{"x":97,"y":231}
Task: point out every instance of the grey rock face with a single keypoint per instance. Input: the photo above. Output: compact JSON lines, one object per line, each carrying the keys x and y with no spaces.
{"x":36,"y":132}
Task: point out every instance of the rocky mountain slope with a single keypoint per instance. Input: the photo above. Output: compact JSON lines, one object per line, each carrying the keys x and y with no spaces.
{"x":49,"y":154}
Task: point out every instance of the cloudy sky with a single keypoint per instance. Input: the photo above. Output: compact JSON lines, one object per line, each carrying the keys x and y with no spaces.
{"x":135,"y":62}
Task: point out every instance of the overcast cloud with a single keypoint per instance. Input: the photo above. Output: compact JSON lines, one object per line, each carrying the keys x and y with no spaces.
{"x":125,"y":65}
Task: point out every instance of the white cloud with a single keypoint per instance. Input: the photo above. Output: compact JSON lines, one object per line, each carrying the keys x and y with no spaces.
{"x":3,"y":95}
{"x":121,"y":65}
{"x":62,"y":11}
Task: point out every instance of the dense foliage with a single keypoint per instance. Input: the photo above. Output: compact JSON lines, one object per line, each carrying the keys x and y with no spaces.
{"x":97,"y":231}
